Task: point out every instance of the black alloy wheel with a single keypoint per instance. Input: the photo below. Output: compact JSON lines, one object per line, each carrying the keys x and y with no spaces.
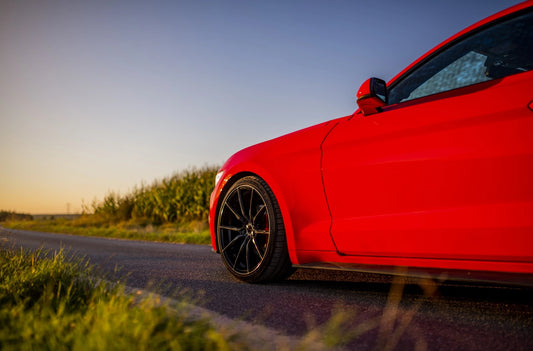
{"x":251,"y":234}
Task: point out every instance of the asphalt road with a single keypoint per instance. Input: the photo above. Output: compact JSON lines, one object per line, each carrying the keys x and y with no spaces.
{"x":457,"y":316}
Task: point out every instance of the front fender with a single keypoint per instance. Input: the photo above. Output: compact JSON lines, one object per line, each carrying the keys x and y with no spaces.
{"x":291,"y":166}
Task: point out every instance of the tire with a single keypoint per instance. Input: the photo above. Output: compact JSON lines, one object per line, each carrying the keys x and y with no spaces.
{"x":250,"y":233}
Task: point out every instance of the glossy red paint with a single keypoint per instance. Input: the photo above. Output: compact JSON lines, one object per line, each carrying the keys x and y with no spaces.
{"x":368,"y":102}
{"x":439,"y":182}
{"x":291,"y":167}
{"x":453,"y":186}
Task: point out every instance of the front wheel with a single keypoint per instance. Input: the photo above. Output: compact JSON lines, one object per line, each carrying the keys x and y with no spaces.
{"x":251,"y":234}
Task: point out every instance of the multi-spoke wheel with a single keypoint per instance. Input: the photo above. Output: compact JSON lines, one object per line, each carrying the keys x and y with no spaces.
{"x":250,"y":232}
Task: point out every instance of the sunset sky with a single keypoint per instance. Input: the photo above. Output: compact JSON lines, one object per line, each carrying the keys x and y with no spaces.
{"x":98,"y":96}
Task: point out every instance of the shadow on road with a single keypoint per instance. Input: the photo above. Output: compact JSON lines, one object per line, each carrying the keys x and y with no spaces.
{"x":381,"y":284}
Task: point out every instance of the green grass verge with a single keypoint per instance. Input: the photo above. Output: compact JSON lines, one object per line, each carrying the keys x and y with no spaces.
{"x":50,"y":303}
{"x":186,"y":233}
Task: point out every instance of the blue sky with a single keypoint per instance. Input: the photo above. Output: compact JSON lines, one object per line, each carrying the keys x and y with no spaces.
{"x":99,"y":96}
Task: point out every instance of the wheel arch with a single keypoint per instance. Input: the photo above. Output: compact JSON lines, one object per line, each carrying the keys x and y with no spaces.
{"x":232,"y":178}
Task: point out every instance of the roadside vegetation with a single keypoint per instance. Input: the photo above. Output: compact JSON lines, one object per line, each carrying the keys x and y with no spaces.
{"x":186,"y":233}
{"x":173,"y":209}
{"x":13,"y":216}
{"x":50,"y":303}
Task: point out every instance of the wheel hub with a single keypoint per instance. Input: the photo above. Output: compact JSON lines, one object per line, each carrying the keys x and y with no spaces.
{"x":250,"y":229}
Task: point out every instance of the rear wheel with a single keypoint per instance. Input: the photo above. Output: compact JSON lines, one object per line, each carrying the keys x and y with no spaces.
{"x":251,"y":234}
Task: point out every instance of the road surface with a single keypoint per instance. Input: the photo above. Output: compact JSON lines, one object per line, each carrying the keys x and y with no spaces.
{"x":457,"y":316}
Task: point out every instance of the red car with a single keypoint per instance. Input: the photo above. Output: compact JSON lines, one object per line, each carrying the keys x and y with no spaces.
{"x":433,"y":172}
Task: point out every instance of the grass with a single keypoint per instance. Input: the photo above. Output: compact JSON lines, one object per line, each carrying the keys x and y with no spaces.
{"x":193,"y":232}
{"x":50,"y":303}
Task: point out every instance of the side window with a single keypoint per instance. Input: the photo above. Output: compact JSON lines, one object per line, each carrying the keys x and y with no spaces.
{"x":500,"y":50}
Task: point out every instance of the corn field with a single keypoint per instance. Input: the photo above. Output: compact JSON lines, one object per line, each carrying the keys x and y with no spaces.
{"x":182,"y":197}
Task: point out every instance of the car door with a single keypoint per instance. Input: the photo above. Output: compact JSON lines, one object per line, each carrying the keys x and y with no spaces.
{"x":445,"y":171}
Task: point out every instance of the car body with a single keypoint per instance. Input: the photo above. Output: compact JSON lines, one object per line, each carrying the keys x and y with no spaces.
{"x":433,"y":172}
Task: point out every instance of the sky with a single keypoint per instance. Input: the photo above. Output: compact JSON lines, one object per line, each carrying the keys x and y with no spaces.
{"x":99,"y":96}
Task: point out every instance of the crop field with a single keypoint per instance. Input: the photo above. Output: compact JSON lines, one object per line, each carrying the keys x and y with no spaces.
{"x":172,"y":209}
{"x":183,"y":197}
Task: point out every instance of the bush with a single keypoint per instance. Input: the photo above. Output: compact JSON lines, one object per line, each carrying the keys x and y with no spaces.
{"x":13,"y":216}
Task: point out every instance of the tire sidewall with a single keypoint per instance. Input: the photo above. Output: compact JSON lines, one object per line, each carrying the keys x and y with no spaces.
{"x":259,"y":186}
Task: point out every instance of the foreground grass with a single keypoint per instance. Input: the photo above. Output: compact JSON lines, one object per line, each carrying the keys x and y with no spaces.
{"x":49,"y":302}
{"x":194,"y":232}
{"x":54,"y":304}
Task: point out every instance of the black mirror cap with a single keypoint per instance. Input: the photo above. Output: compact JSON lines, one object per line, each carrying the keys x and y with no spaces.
{"x":372,"y":96}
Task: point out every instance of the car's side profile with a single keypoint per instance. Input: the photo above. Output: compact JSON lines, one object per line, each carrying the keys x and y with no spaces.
{"x":434,"y":172}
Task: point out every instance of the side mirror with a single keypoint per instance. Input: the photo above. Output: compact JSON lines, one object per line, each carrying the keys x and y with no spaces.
{"x":372,"y":96}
